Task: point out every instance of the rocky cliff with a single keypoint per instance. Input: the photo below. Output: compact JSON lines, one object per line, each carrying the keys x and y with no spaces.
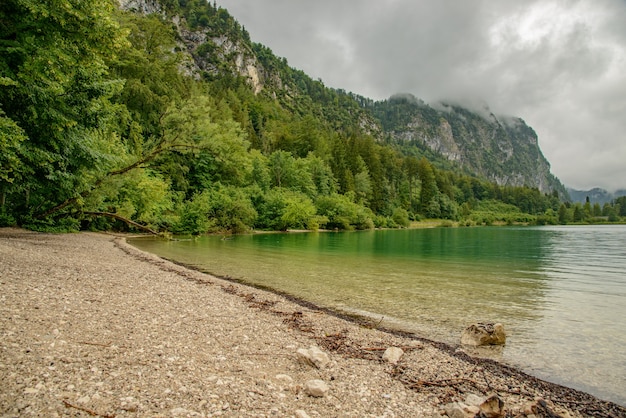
{"x":502,"y":149}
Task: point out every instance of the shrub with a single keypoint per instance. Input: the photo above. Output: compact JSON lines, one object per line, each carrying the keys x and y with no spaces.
{"x":401,"y":217}
{"x":343,"y":213}
{"x":281,"y":209}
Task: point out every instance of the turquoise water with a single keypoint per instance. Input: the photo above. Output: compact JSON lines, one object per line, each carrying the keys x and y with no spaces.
{"x":559,"y":291}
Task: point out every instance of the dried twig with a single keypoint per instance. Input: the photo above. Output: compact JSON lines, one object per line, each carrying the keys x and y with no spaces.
{"x":97,"y":344}
{"x":404,"y":348}
{"x":87,"y":410}
{"x":441,"y":383}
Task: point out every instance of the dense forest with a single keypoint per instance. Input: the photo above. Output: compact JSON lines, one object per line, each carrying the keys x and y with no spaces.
{"x":111,"y":119}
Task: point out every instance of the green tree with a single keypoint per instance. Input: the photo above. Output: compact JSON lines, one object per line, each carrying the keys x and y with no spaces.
{"x":563,"y":214}
{"x":579,"y":213}
{"x":620,"y":205}
{"x":401,"y":217}
{"x":56,"y":90}
{"x":11,"y":166}
{"x":428,"y":190}
{"x":410,"y":166}
{"x":597,"y":210}
{"x":343,"y":213}
{"x":282,"y":167}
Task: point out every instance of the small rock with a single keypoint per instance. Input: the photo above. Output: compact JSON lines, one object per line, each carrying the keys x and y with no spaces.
{"x":316,"y":388}
{"x":542,"y":408}
{"x":474,"y":400}
{"x":176,"y":412}
{"x":392,"y":355}
{"x":483,"y":334}
{"x":301,"y":414}
{"x":461,"y":410}
{"x":130,"y":407}
{"x":313,"y":356}
{"x":284,"y":378}
{"x":492,"y":407}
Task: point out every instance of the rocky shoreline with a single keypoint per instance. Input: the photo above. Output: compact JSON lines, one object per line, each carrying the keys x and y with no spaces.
{"x":92,"y":326}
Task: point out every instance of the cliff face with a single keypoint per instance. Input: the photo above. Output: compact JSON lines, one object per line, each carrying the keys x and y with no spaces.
{"x":209,"y":51}
{"x":501,"y":148}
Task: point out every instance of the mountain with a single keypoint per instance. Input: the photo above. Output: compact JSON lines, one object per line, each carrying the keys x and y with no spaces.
{"x":595,"y":195}
{"x":501,"y":149}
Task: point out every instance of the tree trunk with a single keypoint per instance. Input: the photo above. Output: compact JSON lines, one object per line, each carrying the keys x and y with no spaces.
{"x":121,"y":218}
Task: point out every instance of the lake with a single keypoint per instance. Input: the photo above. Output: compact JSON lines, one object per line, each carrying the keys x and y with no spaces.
{"x":560,"y":291}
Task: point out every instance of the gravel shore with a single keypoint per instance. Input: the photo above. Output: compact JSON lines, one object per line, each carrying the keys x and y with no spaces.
{"x":91,"y":326}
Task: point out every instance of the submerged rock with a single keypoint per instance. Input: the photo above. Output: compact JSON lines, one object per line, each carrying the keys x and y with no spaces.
{"x":483,"y":334}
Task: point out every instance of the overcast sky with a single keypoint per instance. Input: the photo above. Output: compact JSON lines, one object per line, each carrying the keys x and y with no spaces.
{"x":559,"y":65}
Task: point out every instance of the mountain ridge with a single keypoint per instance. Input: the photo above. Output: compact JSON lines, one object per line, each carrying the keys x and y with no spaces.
{"x":595,"y":195}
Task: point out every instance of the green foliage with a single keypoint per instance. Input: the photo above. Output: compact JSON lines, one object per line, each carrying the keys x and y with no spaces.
{"x":11,"y":140}
{"x":62,"y":225}
{"x":343,"y":213}
{"x":193,"y":217}
{"x":223,"y":209}
{"x":140,"y":195}
{"x":56,"y":93}
{"x":6,"y":219}
{"x":230,"y":209}
{"x":401,"y":217}
{"x":98,"y":115}
{"x":281,"y":209}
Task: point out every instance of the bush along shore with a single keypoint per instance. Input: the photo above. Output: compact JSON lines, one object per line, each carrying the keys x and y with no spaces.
{"x":92,"y":326}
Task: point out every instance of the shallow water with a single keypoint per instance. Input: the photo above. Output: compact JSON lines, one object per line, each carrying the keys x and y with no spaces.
{"x":560,"y":291}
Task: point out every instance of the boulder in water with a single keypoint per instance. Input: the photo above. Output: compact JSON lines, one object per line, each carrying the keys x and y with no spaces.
{"x":483,"y":334}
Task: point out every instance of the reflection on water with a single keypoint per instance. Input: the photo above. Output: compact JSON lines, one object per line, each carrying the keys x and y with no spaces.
{"x":558,"y":290}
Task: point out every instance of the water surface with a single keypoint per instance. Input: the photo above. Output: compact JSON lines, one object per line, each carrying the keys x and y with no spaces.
{"x":560,"y":291}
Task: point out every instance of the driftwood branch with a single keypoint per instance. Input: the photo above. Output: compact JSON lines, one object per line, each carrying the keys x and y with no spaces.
{"x":126,"y":220}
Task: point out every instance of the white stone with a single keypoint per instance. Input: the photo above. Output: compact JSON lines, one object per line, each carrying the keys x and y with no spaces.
{"x":317,"y":388}
{"x":301,"y":414}
{"x":461,"y":410}
{"x":284,"y":378}
{"x":393,"y":354}
{"x":474,"y":400}
{"x":313,"y":356}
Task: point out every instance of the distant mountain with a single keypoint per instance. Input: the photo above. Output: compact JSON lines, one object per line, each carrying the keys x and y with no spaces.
{"x":503,"y":149}
{"x":595,"y":195}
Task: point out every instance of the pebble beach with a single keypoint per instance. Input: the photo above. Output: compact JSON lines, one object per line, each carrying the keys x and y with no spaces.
{"x":91,"y":326}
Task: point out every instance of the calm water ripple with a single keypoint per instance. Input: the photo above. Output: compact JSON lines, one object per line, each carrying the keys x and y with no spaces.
{"x":560,"y":291}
